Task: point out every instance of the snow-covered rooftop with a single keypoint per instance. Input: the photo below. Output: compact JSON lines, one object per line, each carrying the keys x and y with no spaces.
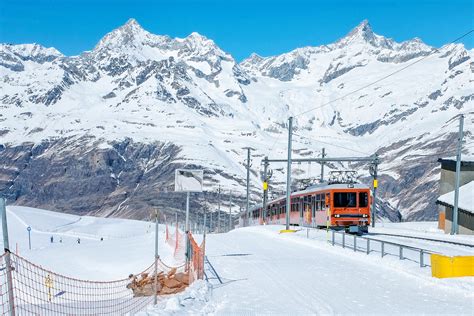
{"x":466,"y":197}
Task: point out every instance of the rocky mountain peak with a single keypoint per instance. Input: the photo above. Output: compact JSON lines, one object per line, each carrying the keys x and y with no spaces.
{"x":363,"y":30}
{"x":363,"y":34}
{"x":131,"y":34}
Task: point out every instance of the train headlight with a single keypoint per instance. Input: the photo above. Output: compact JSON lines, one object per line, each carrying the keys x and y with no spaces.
{"x":337,"y":215}
{"x":364,"y":215}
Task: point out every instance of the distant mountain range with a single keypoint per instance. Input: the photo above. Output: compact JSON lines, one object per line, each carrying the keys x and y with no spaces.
{"x":101,"y":133}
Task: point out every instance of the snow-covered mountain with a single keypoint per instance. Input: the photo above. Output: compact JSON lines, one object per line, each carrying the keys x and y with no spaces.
{"x":102,"y":132}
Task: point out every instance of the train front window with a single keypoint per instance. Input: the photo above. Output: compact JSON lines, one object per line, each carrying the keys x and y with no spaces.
{"x":363,"y":199}
{"x":345,"y":199}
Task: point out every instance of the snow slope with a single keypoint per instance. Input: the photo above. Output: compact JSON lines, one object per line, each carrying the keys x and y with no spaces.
{"x":128,"y":245}
{"x":264,"y":272}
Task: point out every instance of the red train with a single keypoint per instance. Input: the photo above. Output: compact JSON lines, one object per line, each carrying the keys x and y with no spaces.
{"x":338,"y":205}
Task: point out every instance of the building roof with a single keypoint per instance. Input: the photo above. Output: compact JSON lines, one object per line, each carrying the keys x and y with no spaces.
{"x":449,"y":163}
{"x":466,"y":197}
{"x":464,"y":158}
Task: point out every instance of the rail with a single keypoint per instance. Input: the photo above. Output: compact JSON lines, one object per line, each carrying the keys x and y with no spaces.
{"x":367,"y":246}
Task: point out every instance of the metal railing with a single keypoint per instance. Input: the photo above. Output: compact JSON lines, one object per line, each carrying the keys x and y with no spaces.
{"x":405,"y":252}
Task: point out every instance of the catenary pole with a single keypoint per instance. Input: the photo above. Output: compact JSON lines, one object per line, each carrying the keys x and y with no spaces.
{"x":455,"y":226}
{"x":6,"y":247}
{"x":248,"y":180}
{"x":288,"y":174}
{"x":323,"y":155}
{"x":219,"y":209}
{"x":375,"y":185}
{"x":265,"y":188}
{"x":230,"y":211}
{"x":210,"y":221}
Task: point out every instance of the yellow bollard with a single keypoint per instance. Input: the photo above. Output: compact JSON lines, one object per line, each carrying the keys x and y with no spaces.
{"x":451,"y":267}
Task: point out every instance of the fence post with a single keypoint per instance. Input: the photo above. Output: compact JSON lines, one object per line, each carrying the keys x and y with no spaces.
{"x":421,"y":259}
{"x":333,"y":233}
{"x":355,"y":242}
{"x":343,"y":239}
{"x":368,"y":245}
{"x":383,"y":246}
{"x":155,"y":296}
{"x":401,"y":252}
{"x":6,"y":247}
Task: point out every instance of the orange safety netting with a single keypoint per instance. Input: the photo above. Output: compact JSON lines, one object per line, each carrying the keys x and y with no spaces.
{"x":196,"y":258}
{"x":177,"y":241}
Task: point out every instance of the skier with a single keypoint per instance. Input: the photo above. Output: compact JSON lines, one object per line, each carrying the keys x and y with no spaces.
{"x":52,"y":239}
{"x":60,"y":239}
{"x":101,"y":238}
{"x":78,"y":240}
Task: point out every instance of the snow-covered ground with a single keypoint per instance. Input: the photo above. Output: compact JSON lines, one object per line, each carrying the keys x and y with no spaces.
{"x":264,"y":272}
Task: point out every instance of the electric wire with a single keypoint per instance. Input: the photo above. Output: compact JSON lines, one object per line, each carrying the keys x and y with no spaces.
{"x":436,"y":50}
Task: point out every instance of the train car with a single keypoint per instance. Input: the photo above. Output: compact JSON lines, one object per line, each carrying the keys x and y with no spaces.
{"x":334,"y":205}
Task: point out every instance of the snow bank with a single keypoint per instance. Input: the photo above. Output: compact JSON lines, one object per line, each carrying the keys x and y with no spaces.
{"x":195,"y":300}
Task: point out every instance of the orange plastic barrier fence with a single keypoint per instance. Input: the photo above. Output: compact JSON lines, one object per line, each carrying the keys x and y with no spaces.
{"x":196,"y":258}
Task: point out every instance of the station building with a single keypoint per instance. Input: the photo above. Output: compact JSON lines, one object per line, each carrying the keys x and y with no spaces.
{"x":466,"y":193}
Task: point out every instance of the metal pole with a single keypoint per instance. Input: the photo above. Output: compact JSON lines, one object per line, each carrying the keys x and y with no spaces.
{"x":6,"y":247}
{"x":155,"y":298}
{"x":374,"y":198}
{"x":205,"y":221}
{"x":186,"y":228}
{"x":248,"y":179}
{"x":210,"y":221}
{"x":230,"y":211}
{"x":265,"y":188}
{"x":288,"y":173}
{"x":219,"y":208}
{"x":323,"y":155}
{"x":454,"y":226}
{"x":29,"y":237}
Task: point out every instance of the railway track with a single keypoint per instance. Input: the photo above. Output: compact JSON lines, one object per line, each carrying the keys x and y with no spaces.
{"x":423,"y":238}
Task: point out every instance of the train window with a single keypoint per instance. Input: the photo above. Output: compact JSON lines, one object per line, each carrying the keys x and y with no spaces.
{"x":344,"y":199}
{"x":363,"y":199}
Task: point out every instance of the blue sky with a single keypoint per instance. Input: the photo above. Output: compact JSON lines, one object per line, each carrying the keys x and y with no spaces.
{"x":238,"y":27}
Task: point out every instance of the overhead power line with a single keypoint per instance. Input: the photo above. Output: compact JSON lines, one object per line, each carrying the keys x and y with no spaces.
{"x":332,"y":144}
{"x":364,"y":87}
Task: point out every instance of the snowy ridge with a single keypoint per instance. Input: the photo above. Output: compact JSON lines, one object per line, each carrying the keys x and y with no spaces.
{"x":189,"y":93}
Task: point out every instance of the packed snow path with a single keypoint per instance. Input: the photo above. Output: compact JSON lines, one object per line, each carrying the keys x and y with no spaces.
{"x":288,"y":274}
